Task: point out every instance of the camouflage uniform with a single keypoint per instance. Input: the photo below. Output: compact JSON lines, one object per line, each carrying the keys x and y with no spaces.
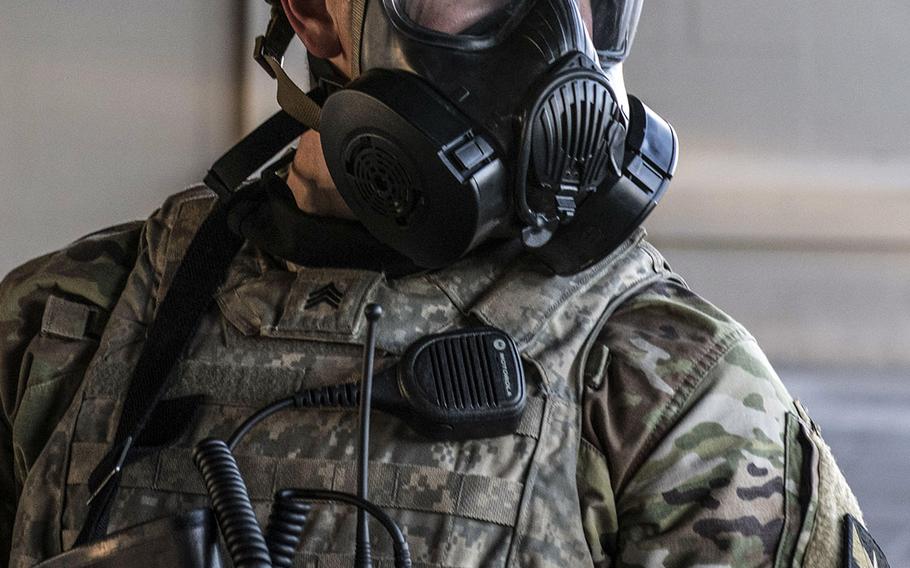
{"x":657,"y":433}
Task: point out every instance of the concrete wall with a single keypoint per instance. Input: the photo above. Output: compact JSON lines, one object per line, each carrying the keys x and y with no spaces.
{"x":106,"y":107}
{"x":791,"y":208}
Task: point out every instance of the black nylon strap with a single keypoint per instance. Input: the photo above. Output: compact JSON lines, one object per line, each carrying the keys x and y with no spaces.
{"x":202,"y":270}
{"x":242,"y":161}
{"x":198,"y":277}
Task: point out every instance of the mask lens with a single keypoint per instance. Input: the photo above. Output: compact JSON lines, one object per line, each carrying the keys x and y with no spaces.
{"x":457,"y":18}
{"x":614,"y":23}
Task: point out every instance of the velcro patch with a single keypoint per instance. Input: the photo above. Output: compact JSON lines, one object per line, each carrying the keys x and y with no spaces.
{"x":860,"y":549}
{"x":68,"y":319}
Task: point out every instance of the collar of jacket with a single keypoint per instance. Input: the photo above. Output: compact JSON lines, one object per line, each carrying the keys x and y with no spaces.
{"x":497,"y":286}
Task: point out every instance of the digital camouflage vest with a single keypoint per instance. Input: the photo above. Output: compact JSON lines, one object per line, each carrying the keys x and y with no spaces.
{"x":506,"y":501}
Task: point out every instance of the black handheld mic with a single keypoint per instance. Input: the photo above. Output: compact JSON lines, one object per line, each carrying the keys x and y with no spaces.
{"x":461,"y":384}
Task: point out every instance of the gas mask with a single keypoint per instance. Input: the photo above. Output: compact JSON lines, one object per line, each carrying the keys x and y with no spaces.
{"x":488,"y":119}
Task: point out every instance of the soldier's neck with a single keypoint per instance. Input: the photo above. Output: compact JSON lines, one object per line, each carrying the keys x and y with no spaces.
{"x":310,"y":181}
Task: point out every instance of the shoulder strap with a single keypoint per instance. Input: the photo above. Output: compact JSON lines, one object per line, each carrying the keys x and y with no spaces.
{"x":201,"y":272}
{"x":257,"y":148}
{"x":198,"y":277}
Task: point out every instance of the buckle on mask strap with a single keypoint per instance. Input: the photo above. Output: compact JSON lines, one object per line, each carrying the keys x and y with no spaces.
{"x":269,"y":53}
{"x":275,"y":41}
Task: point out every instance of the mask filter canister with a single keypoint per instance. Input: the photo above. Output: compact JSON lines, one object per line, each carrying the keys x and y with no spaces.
{"x":410,"y":166}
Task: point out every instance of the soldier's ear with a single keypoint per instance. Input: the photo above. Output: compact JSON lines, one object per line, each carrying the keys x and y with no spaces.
{"x":316,"y":24}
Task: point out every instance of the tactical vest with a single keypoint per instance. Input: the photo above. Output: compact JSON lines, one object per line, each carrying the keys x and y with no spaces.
{"x":508,"y":501}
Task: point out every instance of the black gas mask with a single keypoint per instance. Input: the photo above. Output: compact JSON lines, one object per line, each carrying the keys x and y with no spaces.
{"x":488,"y":119}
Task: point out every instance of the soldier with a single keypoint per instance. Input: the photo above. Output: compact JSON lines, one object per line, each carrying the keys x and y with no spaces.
{"x":656,"y":432}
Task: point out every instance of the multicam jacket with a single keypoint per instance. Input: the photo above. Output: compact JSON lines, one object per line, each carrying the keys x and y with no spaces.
{"x":657,"y":433}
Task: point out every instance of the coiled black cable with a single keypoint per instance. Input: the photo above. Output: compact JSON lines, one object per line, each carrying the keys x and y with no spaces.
{"x":399,"y":542}
{"x":338,"y":396}
{"x":285,"y":529}
{"x":231,"y":504}
{"x":247,"y":545}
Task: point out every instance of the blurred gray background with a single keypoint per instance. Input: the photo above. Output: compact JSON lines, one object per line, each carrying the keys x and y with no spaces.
{"x":791,"y":207}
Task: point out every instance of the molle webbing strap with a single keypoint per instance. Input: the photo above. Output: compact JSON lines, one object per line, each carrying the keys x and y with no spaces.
{"x":397,"y":486}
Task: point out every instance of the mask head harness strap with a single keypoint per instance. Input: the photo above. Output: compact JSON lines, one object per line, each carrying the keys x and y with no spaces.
{"x":358,"y":18}
{"x":269,"y":53}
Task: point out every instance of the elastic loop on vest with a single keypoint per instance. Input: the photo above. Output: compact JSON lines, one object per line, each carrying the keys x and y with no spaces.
{"x":68,"y":319}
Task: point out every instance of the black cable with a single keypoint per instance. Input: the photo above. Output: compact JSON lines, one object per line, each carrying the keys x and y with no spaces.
{"x":231,"y":504}
{"x":233,"y":509}
{"x":285,"y":530}
{"x":363,"y":555}
{"x":244,"y":538}
{"x":335,"y":396}
{"x":400,"y":544}
{"x":242,"y":534}
{"x":255,"y":419}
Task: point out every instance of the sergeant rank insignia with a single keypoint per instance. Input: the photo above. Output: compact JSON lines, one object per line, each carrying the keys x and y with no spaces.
{"x":860,"y":549}
{"x":329,"y":295}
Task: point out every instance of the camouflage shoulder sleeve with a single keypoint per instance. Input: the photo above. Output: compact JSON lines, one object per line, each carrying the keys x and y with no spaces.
{"x":69,"y":294}
{"x":693,"y":452}
{"x":51,"y":312}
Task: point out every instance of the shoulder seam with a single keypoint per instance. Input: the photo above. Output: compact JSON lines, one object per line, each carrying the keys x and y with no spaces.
{"x":702,"y":368}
